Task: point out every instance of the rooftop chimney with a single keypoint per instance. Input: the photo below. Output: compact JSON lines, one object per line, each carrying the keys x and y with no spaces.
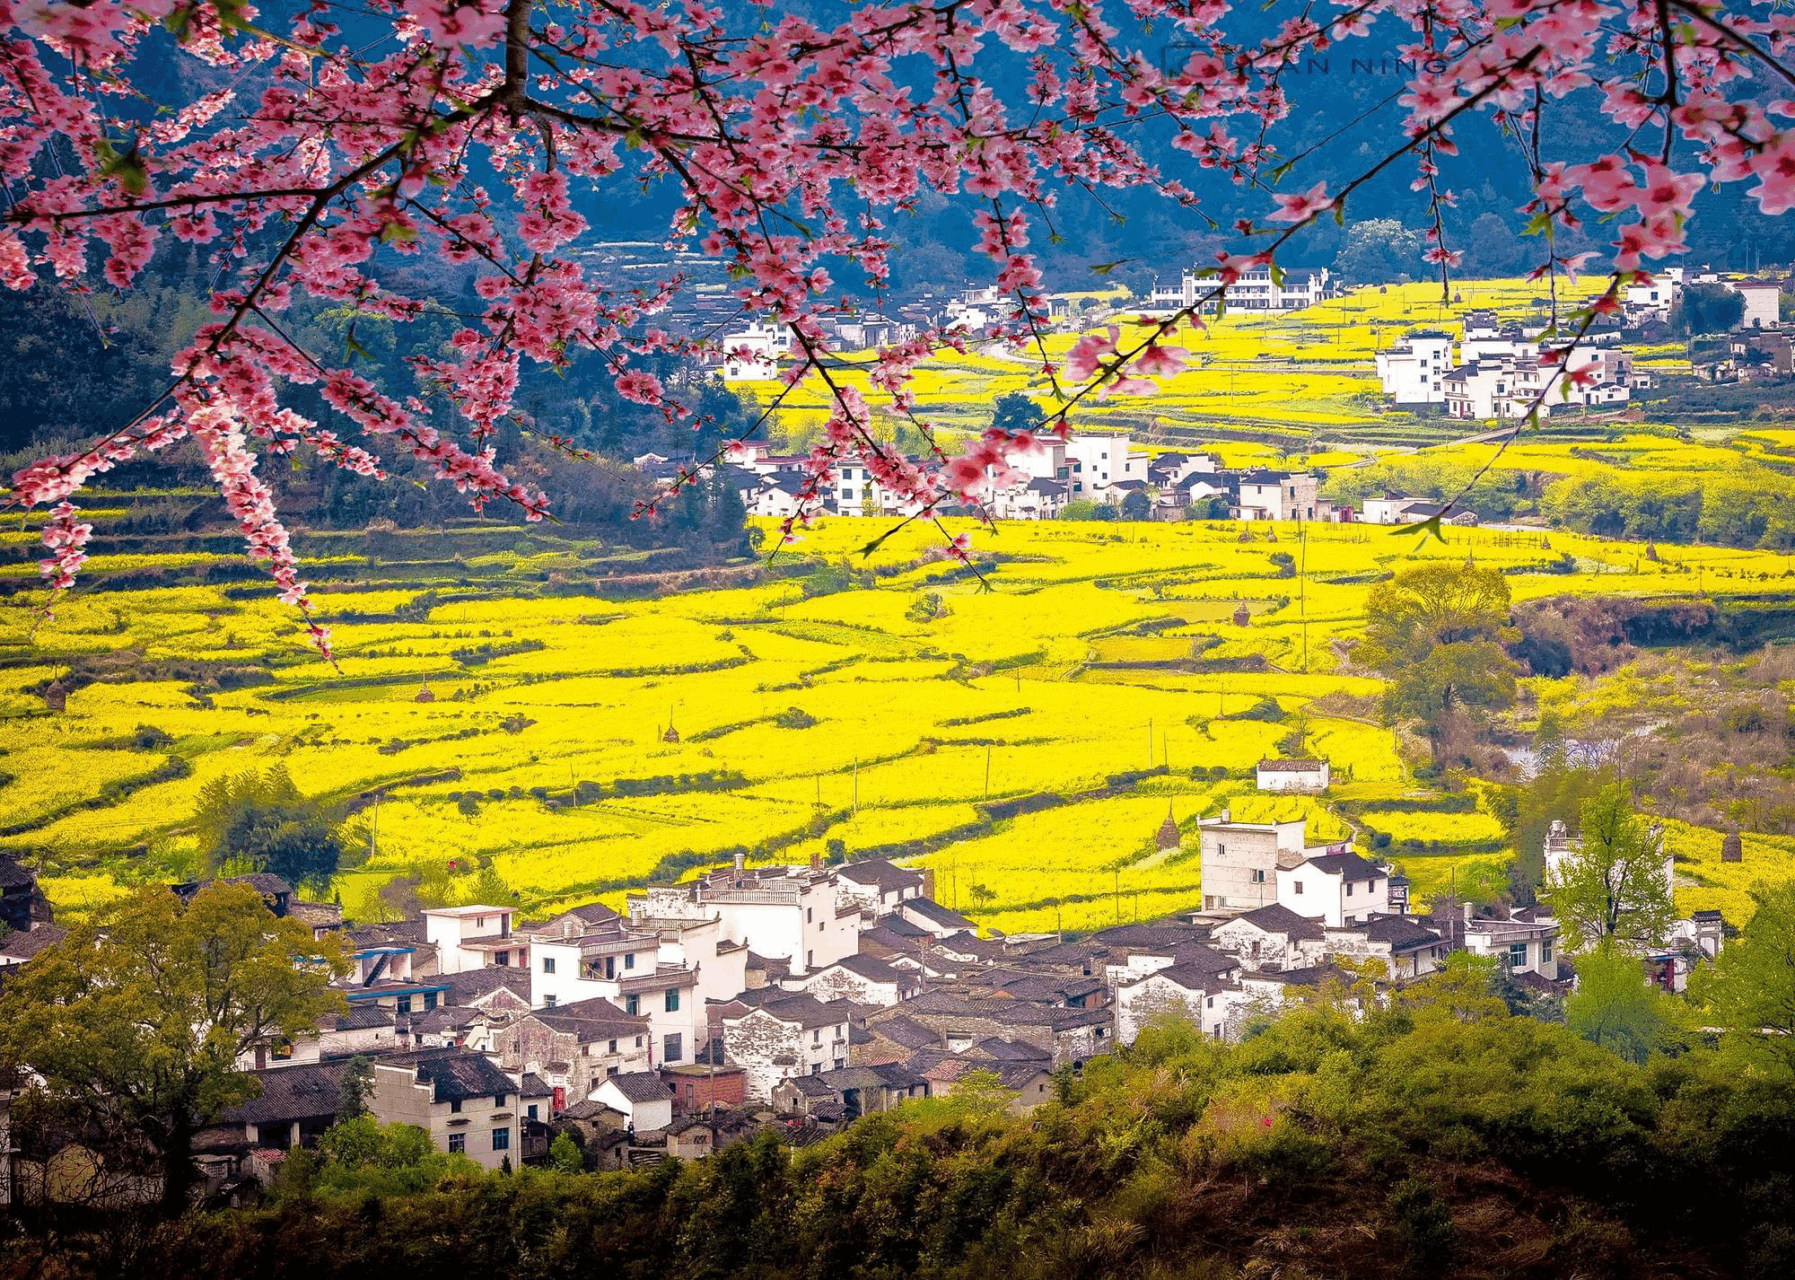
{"x":1469,"y":908}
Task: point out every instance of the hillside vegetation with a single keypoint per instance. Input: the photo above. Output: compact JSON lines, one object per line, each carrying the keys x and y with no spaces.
{"x":1438,"y":1137}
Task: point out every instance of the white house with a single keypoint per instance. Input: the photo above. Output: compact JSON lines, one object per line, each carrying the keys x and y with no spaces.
{"x":1763,"y":302}
{"x":752,"y":354}
{"x":1412,"y":371}
{"x":1099,"y":462}
{"x":1190,"y":992}
{"x":1408,"y":949}
{"x":1337,"y":888}
{"x":862,"y":979}
{"x":580,"y":958}
{"x":794,"y":1036}
{"x":1655,"y":299}
{"x":1273,"y":937}
{"x":1305,"y":776}
{"x":643,"y":1098}
{"x":1255,"y":291}
{"x":877,"y":885}
{"x":782,"y":913}
{"x":473,"y":937}
{"x":1525,"y":942}
{"x":1279,"y":495}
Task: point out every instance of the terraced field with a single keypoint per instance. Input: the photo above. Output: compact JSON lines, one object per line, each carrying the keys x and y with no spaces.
{"x":1026,"y":745}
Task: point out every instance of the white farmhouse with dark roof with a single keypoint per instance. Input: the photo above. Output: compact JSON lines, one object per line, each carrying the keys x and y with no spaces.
{"x":1336,"y":888}
{"x":1305,"y":776}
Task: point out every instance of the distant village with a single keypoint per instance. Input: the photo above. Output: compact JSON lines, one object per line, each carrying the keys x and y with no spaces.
{"x":1489,"y":372}
{"x":796,"y":998}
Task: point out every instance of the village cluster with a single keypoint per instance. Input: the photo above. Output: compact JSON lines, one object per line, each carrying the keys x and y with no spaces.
{"x":1103,"y":469}
{"x":799,"y":997}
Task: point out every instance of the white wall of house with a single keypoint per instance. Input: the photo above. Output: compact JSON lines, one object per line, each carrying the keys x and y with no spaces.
{"x":1310,"y":891}
{"x":447,"y":928}
{"x":645,"y":1116}
{"x":1411,"y":371}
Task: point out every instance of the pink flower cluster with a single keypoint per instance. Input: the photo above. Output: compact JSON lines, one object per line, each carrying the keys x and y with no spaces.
{"x":317,"y":161}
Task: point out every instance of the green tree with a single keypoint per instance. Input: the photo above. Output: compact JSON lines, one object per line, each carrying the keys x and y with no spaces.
{"x":1751,"y":985}
{"x":1079,"y":509}
{"x":357,"y":1084}
{"x":261,"y":822}
{"x":134,"y":1023}
{"x":1615,"y":885}
{"x":1015,"y":412}
{"x":1136,"y":505}
{"x":489,"y":887}
{"x":1707,"y":308}
{"x":564,"y":1155}
{"x":1614,"y":1007}
{"x":1379,"y":250}
{"x":1436,"y":632}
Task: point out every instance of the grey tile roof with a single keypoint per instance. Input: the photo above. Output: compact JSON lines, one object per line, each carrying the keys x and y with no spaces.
{"x":291,"y":1093}
{"x":1349,"y":865}
{"x":1277,"y":918}
{"x":640,"y":1086}
{"x":590,"y":1020}
{"x":873,"y":969}
{"x":471,"y":986}
{"x":907,"y":1032}
{"x":1401,"y":933}
{"x":24,"y":944}
{"x":453,"y":1073}
{"x":877,"y":871}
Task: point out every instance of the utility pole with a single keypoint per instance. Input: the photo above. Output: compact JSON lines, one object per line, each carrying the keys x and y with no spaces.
{"x":1059,"y":927}
{"x":1118,"y":893}
{"x":1302,"y":587}
{"x":1149,"y":742}
{"x":856,"y":786}
{"x":374,"y":830}
{"x":987,"y":771}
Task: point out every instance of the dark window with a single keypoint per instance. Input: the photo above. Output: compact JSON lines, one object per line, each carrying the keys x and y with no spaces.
{"x":457,"y":1143}
{"x":502,"y":957}
{"x":429,"y":1001}
{"x":454,"y":1106}
{"x":613,"y":1047}
{"x":671,"y":1048}
{"x":548,"y":964}
{"x":501,"y":1139}
{"x":498,"y":1099}
{"x":548,"y":1001}
{"x":404,"y":1005}
{"x":673,"y":1002}
{"x":1299,"y":886}
{"x":630,"y":1003}
{"x":629,"y":962}
{"x":532,"y":1112}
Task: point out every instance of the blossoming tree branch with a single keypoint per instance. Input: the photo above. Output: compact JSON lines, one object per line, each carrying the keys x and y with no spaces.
{"x":311,"y":146}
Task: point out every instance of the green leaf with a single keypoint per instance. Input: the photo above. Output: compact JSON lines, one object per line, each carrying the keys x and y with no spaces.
{"x":132,"y":174}
{"x":1104,"y":268}
{"x":1429,"y":525}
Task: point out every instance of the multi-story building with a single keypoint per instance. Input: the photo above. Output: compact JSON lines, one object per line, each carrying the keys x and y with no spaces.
{"x":1412,"y":371}
{"x":467,"y":1104}
{"x":1240,"y":860}
{"x":587,"y":955}
{"x":1280,"y":495}
{"x":1338,"y":888}
{"x":473,"y":937}
{"x":1255,"y":290}
{"x":796,"y":914}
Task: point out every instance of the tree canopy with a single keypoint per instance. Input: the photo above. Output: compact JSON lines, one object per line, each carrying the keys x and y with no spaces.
{"x":1614,"y":887}
{"x":135,"y":1022}
{"x":1436,"y":632}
